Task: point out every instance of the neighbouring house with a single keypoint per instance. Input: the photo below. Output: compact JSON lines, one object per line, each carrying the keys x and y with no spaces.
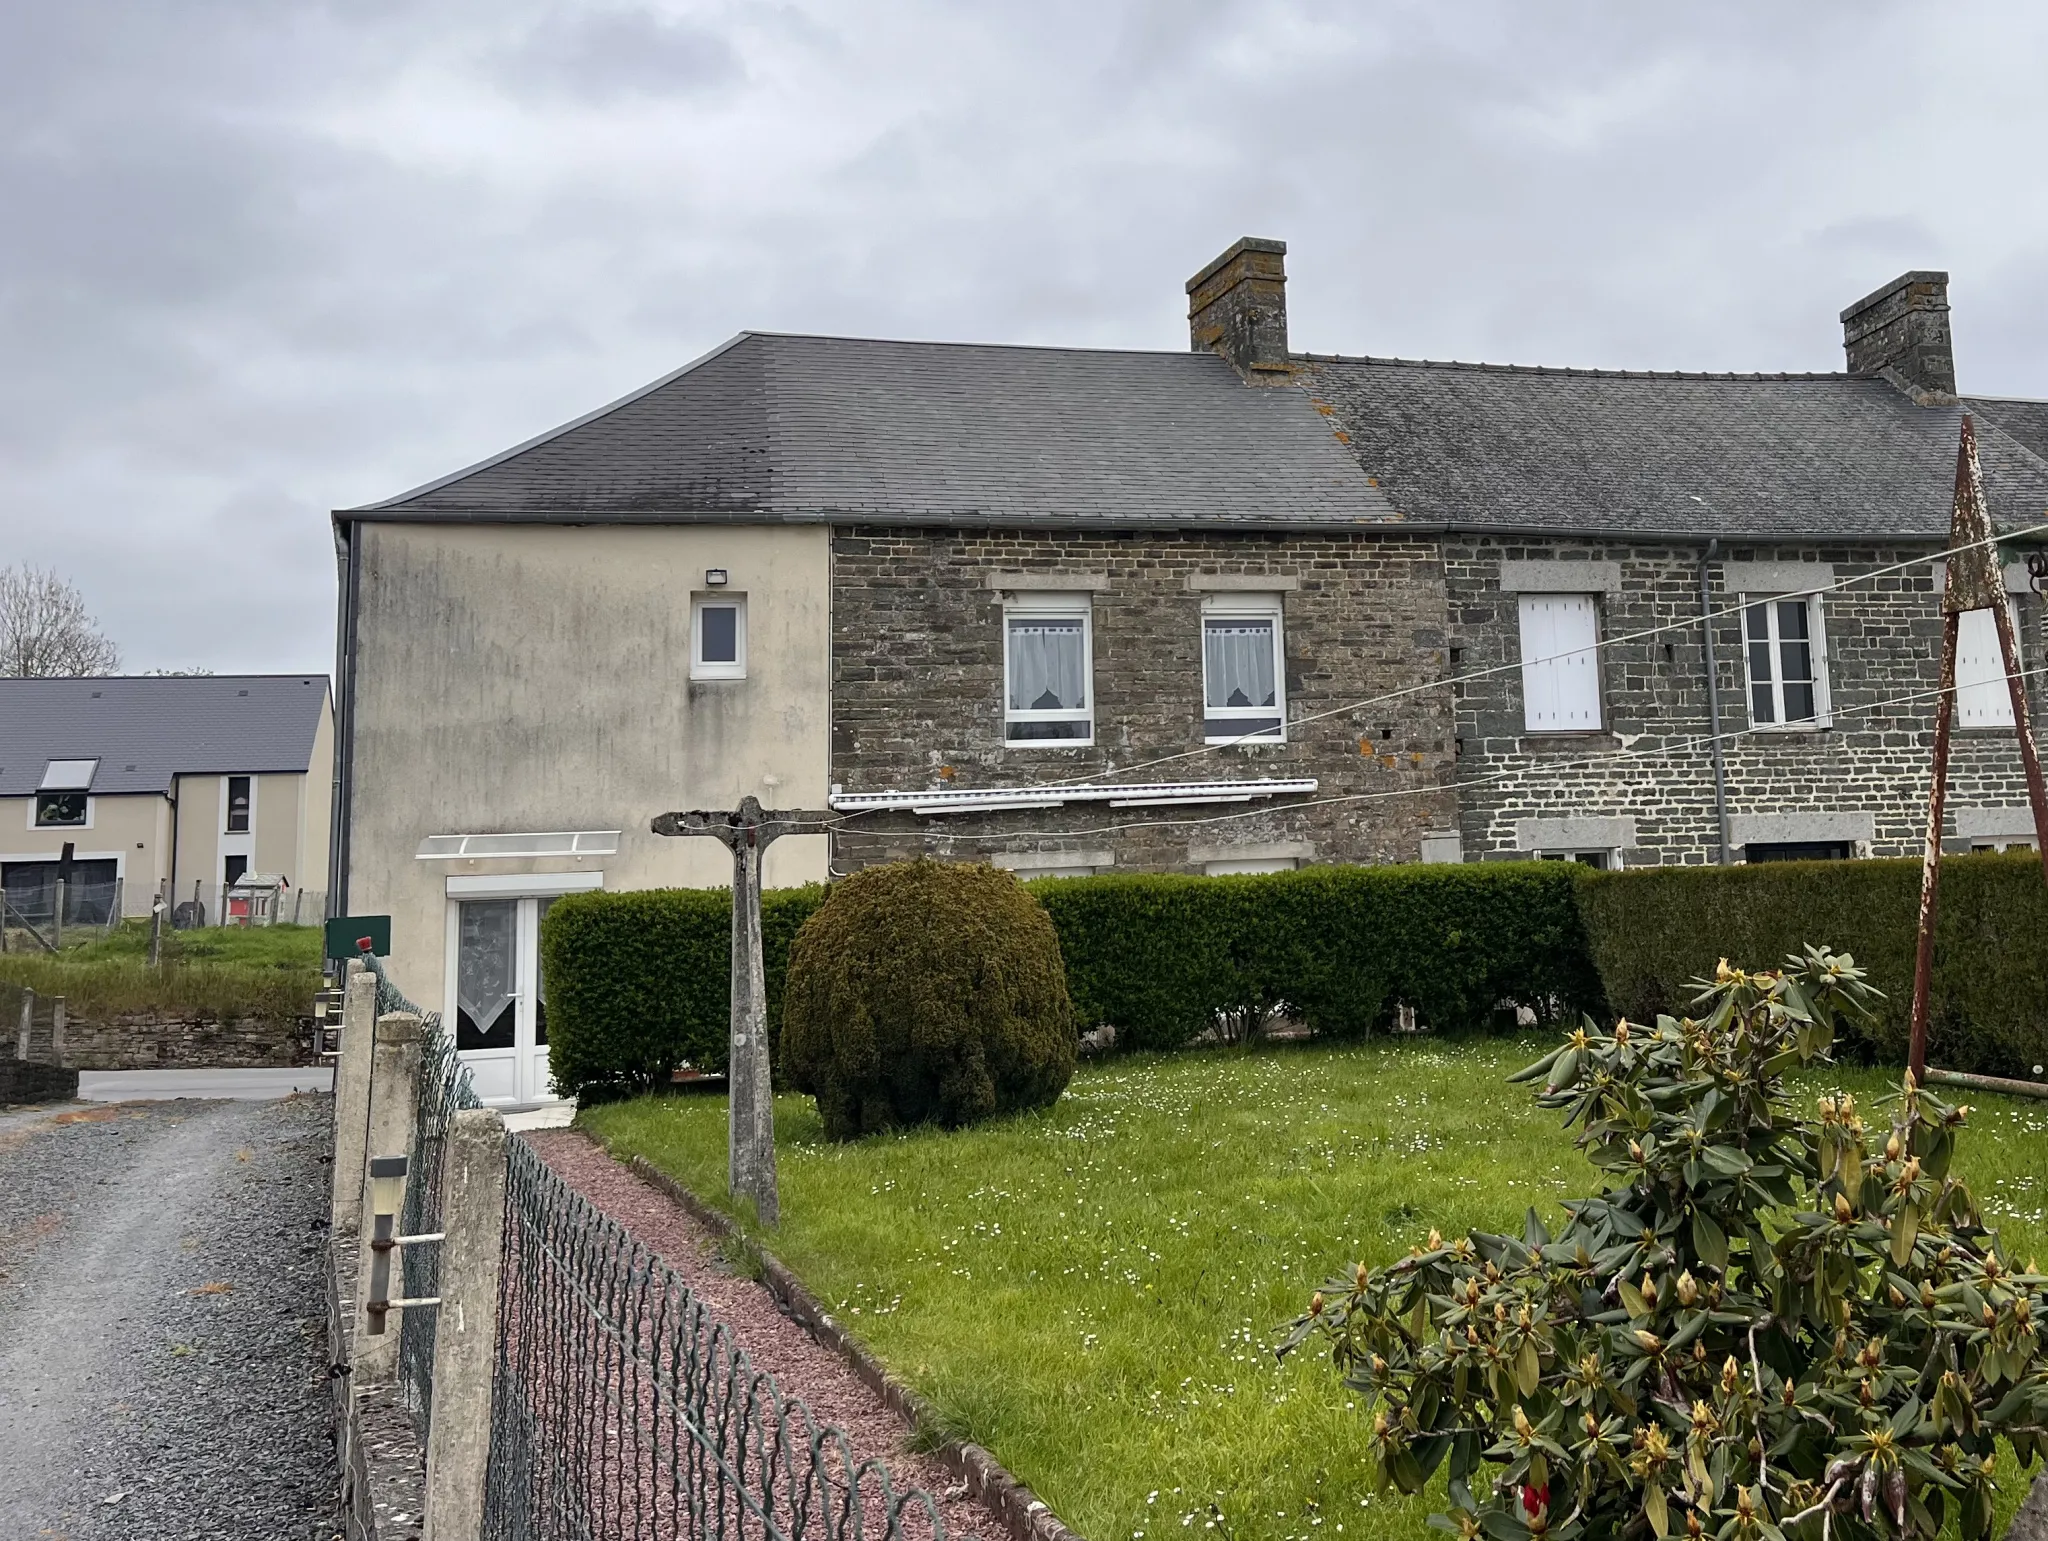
{"x":1583,"y":506}
{"x":128,"y":788}
{"x":1080,"y":610}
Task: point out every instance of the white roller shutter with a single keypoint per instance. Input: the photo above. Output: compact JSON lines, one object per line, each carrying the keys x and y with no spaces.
{"x":1982,"y":699}
{"x":1560,"y":670}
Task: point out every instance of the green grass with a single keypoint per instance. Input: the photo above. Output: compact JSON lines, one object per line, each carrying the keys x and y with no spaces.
{"x":219,"y":971}
{"x":1091,"y":1292}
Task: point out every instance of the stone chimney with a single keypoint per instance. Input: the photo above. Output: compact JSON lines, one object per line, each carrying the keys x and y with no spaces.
{"x":1237,"y":306}
{"x":1901,"y":332}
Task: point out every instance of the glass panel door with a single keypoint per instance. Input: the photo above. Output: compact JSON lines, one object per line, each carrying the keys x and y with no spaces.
{"x":494,"y":998}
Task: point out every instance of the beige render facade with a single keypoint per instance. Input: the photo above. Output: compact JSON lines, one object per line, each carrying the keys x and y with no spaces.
{"x":537,"y":679}
{"x":174,"y":835}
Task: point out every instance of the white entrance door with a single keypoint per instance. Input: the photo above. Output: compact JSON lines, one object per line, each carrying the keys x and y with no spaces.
{"x":501,"y":1027}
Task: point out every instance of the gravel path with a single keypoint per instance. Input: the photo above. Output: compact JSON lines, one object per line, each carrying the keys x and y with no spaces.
{"x":773,"y":1341}
{"x":162,"y":1353}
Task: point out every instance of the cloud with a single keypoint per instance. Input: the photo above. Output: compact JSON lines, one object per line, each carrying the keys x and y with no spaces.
{"x":263,"y":261}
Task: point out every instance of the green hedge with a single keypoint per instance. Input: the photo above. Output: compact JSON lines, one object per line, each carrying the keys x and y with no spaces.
{"x":640,"y":982}
{"x":1158,"y":956}
{"x":1653,"y":929}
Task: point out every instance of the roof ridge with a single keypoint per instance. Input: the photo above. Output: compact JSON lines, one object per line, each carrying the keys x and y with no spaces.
{"x":308,"y":675}
{"x":1013,"y":347}
{"x":1575,"y":371}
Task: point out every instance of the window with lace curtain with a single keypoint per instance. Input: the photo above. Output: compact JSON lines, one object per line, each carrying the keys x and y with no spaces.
{"x":1048,"y":667}
{"x":1244,"y":686}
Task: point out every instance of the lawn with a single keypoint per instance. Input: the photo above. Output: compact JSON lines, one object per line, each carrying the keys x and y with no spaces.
{"x":1091,"y":1292}
{"x":217,"y":971}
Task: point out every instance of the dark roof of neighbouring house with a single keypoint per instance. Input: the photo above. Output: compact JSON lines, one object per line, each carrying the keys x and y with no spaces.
{"x":841,"y":430}
{"x":1511,"y":447}
{"x":144,"y":730}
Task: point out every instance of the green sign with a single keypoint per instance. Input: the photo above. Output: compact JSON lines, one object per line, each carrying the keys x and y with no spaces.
{"x":345,"y":934}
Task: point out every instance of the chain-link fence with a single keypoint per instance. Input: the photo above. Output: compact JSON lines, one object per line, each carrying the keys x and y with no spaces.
{"x":443,"y":1090}
{"x":620,"y":1408}
{"x":39,"y":916}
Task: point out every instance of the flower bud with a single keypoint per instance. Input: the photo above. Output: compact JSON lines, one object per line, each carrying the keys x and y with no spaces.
{"x":1649,"y":1289}
{"x":1436,"y":1240}
{"x":1897,"y":1295}
{"x":1843,"y":1213}
{"x":1315,"y":1304}
{"x":1891,"y":1147}
{"x":1688,"y":1289}
{"x":1731,"y":1376}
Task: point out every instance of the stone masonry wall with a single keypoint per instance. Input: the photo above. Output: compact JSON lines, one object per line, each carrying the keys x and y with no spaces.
{"x":145,"y":1041}
{"x":1883,"y":642}
{"x":917,"y":638}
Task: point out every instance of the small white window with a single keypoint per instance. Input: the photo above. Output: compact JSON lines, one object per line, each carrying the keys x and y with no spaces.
{"x":1982,"y":698}
{"x":1786,"y":649}
{"x":1599,"y":860}
{"x":1985,"y":847}
{"x":1048,"y":669}
{"x":1244,"y":666}
{"x":1560,"y":663}
{"x":718,"y":638}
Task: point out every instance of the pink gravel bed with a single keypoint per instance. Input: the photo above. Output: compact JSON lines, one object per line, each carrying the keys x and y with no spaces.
{"x":772,"y":1340}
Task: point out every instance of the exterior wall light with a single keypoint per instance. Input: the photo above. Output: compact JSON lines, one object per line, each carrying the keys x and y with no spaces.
{"x":716,"y":577}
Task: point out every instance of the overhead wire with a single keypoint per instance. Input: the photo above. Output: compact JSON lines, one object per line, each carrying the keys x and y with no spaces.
{"x":1664,"y":747}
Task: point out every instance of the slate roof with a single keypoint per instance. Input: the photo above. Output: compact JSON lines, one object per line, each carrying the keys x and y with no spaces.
{"x":1485,"y":446}
{"x":2026,"y":421}
{"x":145,"y":730}
{"x":840,"y":430}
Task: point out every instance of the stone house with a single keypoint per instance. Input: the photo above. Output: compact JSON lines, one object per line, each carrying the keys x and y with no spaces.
{"x":1081,"y":610}
{"x":175,"y":785}
{"x":1579,"y":506}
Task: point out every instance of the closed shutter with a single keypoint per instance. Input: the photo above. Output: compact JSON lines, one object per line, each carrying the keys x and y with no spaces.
{"x":1982,"y":699}
{"x":1560,"y":670}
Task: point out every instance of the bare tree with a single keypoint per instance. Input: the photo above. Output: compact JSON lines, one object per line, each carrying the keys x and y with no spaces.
{"x":45,"y":632}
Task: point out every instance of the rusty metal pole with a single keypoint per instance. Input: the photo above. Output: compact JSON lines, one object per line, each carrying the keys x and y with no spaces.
{"x":1930,"y":861}
{"x":750,"y":1121}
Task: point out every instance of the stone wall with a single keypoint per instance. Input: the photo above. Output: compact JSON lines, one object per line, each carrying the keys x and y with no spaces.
{"x":25,"y":1081}
{"x":917,"y":643}
{"x":1864,"y":779}
{"x":146,"y":1041}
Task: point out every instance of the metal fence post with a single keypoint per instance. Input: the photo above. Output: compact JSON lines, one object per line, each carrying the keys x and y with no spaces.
{"x":466,"y":1338}
{"x":57,"y":1019}
{"x":28,"y":1022}
{"x":352,"y":1094}
{"x":394,"y":1091}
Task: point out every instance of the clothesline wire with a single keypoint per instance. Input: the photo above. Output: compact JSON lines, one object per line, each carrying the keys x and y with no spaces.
{"x":1663,"y":747}
{"x":1508,"y":668}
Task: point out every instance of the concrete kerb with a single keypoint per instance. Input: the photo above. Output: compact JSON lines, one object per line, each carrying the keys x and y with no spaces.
{"x":1023,"y":1514}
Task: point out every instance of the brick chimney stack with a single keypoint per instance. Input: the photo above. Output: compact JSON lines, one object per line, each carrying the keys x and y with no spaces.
{"x":1901,"y":332}
{"x":1237,"y":306}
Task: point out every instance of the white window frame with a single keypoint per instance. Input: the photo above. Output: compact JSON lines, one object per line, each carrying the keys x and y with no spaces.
{"x":1250,"y":866}
{"x":1985,"y":702}
{"x":1610,"y":857}
{"x":35,"y":802}
{"x":227,"y":804}
{"x":1817,"y":641}
{"x":718,"y":669}
{"x":1051,"y":606}
{"x":1247,"y":607}
{"x":1984,"y":844}
{"x":1569,"y":668}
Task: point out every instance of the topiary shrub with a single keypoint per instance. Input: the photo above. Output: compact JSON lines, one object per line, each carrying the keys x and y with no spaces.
{"x":926,"y":992}
{"x":1764,"y":1326}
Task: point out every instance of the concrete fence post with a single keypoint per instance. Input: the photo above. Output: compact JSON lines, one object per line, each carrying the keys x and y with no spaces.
{"x":466,"y":1338}
{"x":352,"y":1094}
{"x":57,"y":1020}
{"x":28,"y":1022}
{"x":394,"y":1090}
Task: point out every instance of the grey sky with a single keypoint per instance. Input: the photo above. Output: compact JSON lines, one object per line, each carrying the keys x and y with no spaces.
{"x":263,"y":260}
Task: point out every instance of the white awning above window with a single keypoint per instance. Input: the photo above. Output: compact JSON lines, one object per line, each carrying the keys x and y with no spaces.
{"x":573,"y":842}
{"x":1159,"y":794}
{"x":68,"y":776}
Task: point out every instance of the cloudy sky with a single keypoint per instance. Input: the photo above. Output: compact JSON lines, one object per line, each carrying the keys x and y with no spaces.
{"x":262,"y":260}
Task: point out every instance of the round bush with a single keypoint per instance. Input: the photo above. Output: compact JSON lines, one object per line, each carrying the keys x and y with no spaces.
{"x":926,"y":992}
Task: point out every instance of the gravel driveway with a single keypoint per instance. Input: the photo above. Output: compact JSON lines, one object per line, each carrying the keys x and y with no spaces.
{"x":162,"y":1354}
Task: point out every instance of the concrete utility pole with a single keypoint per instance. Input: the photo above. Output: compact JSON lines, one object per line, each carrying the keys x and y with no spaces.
{"x":750,"y":1133}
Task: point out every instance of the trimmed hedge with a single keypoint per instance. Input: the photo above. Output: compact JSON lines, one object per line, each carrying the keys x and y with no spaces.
{"x":641,"y":982}
{"x":1654,"y":928}
{"x":1159,"y":956}
{"x":926,"y":992}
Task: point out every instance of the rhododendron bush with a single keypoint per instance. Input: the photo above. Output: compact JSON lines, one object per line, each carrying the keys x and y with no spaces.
{"x":1766,"y":1323}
